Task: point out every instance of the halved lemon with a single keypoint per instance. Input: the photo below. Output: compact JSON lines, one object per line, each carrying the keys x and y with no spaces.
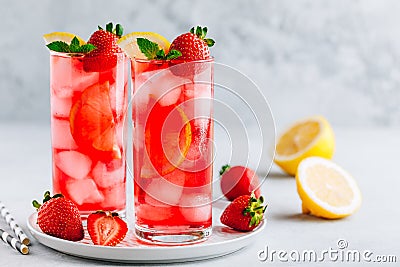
{"x":168,"y":136}
{"x":326,"y":190}
{"x":312,"y":136}
{"x":62,"y":36}
{"x":129,"y":45}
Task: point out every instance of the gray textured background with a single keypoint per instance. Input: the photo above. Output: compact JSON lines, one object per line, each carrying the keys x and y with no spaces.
{"x":337,"y":58}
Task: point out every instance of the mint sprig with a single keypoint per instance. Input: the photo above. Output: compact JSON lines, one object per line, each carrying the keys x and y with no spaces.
{"x":152,"y":50}
{"x":201,"y":33}
{"x":73,"y":47}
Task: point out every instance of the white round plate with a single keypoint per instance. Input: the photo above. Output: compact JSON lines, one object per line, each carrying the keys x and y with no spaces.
{"x":222,"y":241}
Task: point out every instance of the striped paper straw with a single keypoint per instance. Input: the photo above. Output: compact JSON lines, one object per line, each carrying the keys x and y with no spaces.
{"x":13,"y":242}
{"x":5,"y":213}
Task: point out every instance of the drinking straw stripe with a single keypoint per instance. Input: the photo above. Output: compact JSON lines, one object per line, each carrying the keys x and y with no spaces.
{"x":5,"y":213}
{"x":13,"y":242}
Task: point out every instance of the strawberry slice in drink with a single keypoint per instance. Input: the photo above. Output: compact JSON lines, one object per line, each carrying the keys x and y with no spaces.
{"x":92,"y":122}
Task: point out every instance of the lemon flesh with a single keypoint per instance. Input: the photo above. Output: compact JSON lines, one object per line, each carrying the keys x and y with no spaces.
{"x":62,"y":36}
{"x":128,"y":43}
{"x":326,"y":190}
{"x":309,"y":137}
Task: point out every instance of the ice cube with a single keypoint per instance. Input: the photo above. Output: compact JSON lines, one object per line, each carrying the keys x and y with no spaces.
{"x":164,"y":191}
{"x":166,"y":87}
{"x":152,"y":213}
{"x":84,"y":191}
{"x":62,"y":91}
{"x":61,"y":107}
{"x":106,"y":178}
{"x":83,"y":79}
{"x":154,"y":202}
{"x":198,"y":90}
{"x":73,"y":164}
{"x":195,"y":207}
{"x":61,"y":137}
{"x":114,"y":197}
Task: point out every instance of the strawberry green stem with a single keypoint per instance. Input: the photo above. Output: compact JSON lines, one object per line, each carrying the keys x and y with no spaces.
{"x":224,"y":169}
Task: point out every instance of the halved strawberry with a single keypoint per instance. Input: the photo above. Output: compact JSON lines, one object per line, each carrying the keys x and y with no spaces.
{"x":244,"y":214}
{"x":106,"y":228}
{"x":59,"y":217}
{"x":103,"y":57}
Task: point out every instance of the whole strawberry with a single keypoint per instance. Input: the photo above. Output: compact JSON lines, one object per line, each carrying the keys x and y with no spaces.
{"x":237,"y":181}
{"x":103,"y":57}
{"x":244,"y":214}
{"x":106,"y":228}
{"x":59,"y":217}
{"x":193,"y":45}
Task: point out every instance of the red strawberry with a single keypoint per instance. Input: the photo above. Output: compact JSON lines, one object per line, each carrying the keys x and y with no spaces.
{"x":59,"y":217}
{"x":244,"y":214}
{"x":237,"y":181}
{"x":106,"y":228}
{"x":103,"y":57}
{"x":193,"y":45}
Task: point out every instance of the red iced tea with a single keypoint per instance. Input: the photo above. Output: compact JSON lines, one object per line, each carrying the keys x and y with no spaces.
{"x":87,"y":126}
{"x":173,"y":149}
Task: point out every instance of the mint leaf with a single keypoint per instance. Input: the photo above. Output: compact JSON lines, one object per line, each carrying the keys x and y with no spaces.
{"x":59,"y":46}
{"x":148,"y":48}
{"x":173,"y":54}
{"x":75,"y":41}
{"x":74,"y":46}
{"x":86,"y":48}
{"x":160,"y":54}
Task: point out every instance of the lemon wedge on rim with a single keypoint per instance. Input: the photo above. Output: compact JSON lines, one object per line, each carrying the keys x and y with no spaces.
{"x":326,"y":190}
{"x":128,"y":43}
{"x":312,"y":136}
{"x":62,"y":36}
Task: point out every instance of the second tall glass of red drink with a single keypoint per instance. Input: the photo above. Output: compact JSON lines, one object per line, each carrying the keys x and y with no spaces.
{"x":173,"y":149}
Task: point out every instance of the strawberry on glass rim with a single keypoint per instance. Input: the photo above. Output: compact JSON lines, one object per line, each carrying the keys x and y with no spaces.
{"x":104,"y":56}
{"x":193,"y":45}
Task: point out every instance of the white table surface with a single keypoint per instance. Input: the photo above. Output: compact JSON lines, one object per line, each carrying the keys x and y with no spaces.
{"x":371,"y":156}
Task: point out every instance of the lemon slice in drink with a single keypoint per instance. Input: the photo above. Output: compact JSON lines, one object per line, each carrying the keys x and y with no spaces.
{"x":62,"y":36}
{"x":168,"y":137}
{"x":309,"y":137}
{"x":326,"y":190}
{"x":92,"y":123}
{"x":129,"y":45}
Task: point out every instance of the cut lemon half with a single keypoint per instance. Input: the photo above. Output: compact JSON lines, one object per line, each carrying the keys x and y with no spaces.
{"x":168,"y":137}
{"x":129,"y":45}
{"x":309,"y":137}
{"x":62,"y":36}
{"x":326,"y":190}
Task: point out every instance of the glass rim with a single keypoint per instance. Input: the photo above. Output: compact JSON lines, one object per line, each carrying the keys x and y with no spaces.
{"x":176,"y":61}
{"x":78,"y":55}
